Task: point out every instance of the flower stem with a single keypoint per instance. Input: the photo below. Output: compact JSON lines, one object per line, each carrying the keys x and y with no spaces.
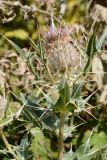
{"x":61,"y":137}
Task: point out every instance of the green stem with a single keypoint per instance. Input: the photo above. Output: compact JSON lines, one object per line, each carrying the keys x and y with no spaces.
{"x":61,"y":137}
{"x":8,"y":145}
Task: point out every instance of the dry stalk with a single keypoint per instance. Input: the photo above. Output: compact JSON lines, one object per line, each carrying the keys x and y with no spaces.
{"x":8,"y":145}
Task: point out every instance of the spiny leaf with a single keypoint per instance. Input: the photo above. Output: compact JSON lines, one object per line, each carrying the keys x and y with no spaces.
{"x":64,"y":90}
{"x":91,"y":48}
{"x":41,"y":49}
{"x":18,"y":49}
{"x":101,"y":40}
{"x":64,"y":96}
{"x":77,"y":87}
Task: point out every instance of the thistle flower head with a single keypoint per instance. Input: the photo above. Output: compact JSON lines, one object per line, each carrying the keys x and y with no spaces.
{"x":61,"y":52}
{"x":54,"y":34}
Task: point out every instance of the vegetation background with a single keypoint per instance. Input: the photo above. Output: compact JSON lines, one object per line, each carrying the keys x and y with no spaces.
{"x":28,"y":136}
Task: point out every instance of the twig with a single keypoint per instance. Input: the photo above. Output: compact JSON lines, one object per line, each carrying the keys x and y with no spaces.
{"x":8,"y":145}
{"x":61,"y":136}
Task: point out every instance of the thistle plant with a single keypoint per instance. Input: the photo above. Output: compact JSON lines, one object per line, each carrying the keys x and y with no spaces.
{"x":64,"y":61}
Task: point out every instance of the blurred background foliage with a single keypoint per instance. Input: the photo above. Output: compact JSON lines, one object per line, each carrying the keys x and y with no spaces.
{"x":28,"y":141}
{"x":17,"y":25}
